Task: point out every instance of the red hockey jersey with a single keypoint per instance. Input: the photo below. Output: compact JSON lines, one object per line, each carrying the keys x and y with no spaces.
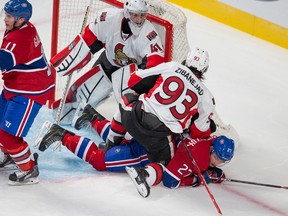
{"x":181,"y":166}
{"x":24,"y":67}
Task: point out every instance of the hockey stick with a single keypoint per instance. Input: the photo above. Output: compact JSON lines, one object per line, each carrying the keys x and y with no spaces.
{"x":252,"y":183}
{"x":201,"y":176}
{"x":66,"y":87}
{"x":47,"y":124}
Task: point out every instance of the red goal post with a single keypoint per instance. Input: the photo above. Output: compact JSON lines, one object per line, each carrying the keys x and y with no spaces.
{"x":68,"y":15}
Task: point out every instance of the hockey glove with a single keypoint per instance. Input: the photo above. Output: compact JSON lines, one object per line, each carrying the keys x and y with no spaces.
{"x":216,"y":175}
{"x":212,"y":175}
{"x":197,"y":179}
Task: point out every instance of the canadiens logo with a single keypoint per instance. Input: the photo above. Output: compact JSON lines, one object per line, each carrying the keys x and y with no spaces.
{"x":121,"y":58}
{"x":222,"y":141}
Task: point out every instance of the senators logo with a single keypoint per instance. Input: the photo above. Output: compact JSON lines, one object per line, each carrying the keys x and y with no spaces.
{"x":121,"y":58}
{"x":103,"y":16}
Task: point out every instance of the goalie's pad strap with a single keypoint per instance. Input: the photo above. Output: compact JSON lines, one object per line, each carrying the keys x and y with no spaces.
{"x":73,"y":57}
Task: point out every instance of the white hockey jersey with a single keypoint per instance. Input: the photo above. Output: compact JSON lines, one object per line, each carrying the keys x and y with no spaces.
{"x":176,"y":97}
{"x":123,"y":49}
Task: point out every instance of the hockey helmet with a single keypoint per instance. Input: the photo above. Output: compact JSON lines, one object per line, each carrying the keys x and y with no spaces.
{"x":198,"y":59}
{"x":223,"y":147}
{"x":19,"y":9}
{"x":135,"y":7}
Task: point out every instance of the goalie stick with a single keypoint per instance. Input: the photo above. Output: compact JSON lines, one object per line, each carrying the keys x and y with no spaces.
{"x":47,"y":124}
{"x":201,"y":176}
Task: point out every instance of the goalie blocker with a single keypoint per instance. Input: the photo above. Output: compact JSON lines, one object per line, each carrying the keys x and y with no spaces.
{"x":74,"y":57}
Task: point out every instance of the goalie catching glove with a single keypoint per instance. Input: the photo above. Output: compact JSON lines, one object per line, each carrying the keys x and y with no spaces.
{"x":212,"y":175}
{"x":74,"y":57}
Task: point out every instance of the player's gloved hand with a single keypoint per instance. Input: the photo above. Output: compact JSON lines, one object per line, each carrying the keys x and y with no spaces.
{"x":197,"y":179}
{"x":106,"y":146}
{"x":212,"y":175}
{"x":217,"y":175}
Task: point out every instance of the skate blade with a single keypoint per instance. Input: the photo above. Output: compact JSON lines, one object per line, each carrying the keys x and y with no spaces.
{"x":27,"y":182}
{"x":57,"y":145}
{"x":141,"y":187}
{"x":9,"y":167}
{"x":43,"y":131}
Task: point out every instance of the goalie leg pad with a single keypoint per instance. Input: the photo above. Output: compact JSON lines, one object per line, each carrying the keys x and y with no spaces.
{"x":92,"y":88}
{"x":120,"y":81}
{"x":67,"y":113}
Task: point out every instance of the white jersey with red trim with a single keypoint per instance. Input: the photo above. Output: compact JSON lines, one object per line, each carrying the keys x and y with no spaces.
{"x":176,"y":97}
{"x":123,"y":49}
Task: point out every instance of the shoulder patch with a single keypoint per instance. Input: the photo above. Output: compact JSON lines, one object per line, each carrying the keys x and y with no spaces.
{"x":152,"y":35}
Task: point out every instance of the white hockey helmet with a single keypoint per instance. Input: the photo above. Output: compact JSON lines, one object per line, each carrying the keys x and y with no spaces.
{"x":198,"y":59}
{"x":135,"y":7}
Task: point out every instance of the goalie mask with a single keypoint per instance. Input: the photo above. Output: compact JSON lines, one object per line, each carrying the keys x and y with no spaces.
{"x":135,"y":11}
{"x":19,"y":9}
{"x":198,"y":59}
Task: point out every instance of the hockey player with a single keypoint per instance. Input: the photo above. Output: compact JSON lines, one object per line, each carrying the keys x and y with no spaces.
{"x":172,"y":100}
{"x":132,"y":156}
{"x":182,"y":170}
{"x":28,"y":84}
{"x":128,"y":153}
{"x":128,"y":38}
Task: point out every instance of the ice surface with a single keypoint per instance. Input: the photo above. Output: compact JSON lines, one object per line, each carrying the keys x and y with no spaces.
{"x":248,"y":78}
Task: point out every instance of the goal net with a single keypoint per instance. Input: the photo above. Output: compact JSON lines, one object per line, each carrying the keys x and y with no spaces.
{"x":68,"y":16}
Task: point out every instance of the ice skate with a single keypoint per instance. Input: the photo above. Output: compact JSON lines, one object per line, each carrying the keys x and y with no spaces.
{"x":25,"y":177}
{"x":55,"y":133}
{"x":89,"y":114}
{"x":7,"y":163}
{"x":138,"y":176}
{"x":106,"y":146}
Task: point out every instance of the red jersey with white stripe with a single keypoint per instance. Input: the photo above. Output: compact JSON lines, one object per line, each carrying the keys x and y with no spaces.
{"x":123,"y":49}
{"x":24,"y":67}
{"x":181,"y":167}
{"x":176,"y":97}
